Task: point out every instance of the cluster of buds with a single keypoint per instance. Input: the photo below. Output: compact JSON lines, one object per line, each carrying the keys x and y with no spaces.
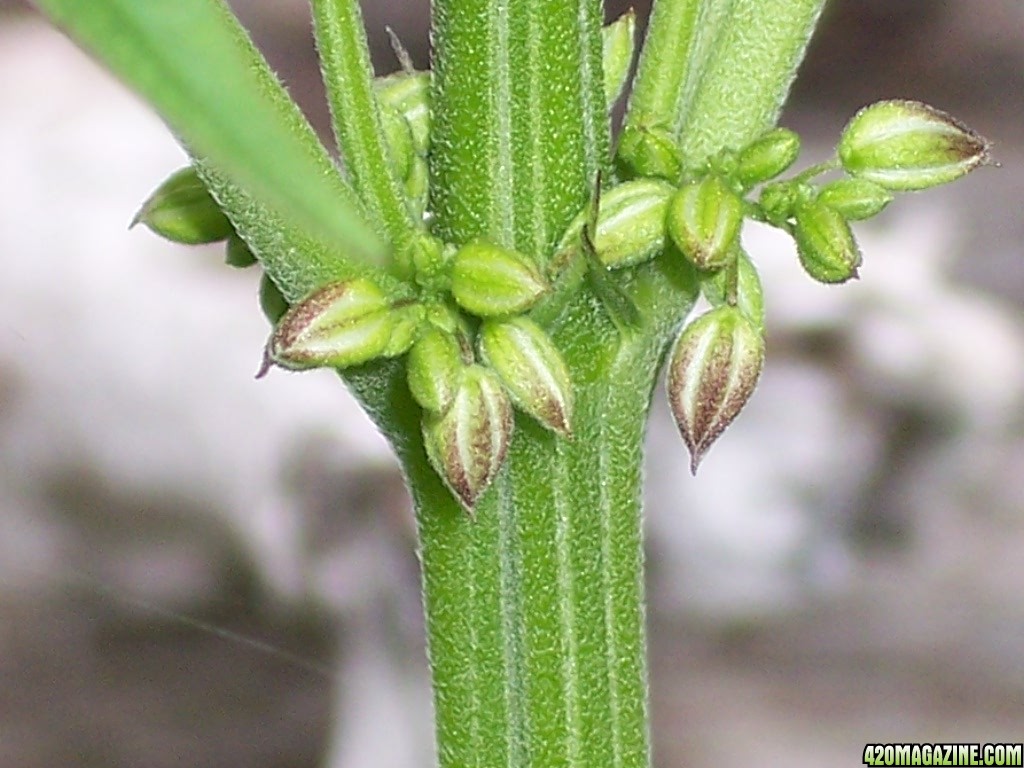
{"x":462,"y":313}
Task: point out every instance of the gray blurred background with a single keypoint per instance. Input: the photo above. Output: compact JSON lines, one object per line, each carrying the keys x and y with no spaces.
{"x":199,"y":569}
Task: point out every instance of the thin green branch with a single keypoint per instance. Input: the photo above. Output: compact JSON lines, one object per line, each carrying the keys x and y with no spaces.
{"x":355,"y":116}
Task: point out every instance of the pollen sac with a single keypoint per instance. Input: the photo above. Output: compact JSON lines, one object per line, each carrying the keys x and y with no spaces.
{"x":907,"y":145}
{"x":491,"y":281}
{"x":855,"y":199}
{"x":339,"y":325}
{"x":408,"y":95}
{"x":704,"y":220}
{"x":630,"y":223}
{"x":406,"y":320}
{"x":619,"y":42}
{"x":467,"y":443}
{"x":532,"y":370}
{"x":181,"y":210}
{"x":767,"y":157}
{"x":649,"y":151}
{"x":825,"y":244}
{"x":434,"y":370}
{"x":714,"y":367}
{"x":778,"y":200}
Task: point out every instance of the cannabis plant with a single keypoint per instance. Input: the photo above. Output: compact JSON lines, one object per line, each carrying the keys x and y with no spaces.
{"x":499,"y":280}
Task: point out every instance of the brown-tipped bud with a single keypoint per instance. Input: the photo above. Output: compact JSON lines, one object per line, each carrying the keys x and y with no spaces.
{"x":704,"y":219}
{"x":532,"y":370}
{"x":649,"y":151}
{"x":907,"y":145}
{"x":855,"y":199}
{"x":182,"y":211}
{"x":339,"y":325}
{"x":825,"y":244}
{"x":715,"y":365}
{"x":434,"y":369}
{"x":491,"y":281}
{"x":766,"y":157}
{"x":467,"y":444}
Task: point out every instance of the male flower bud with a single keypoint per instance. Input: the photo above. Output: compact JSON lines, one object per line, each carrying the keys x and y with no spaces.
{"x":630,"y":223}
{"x":532,"y":370}
{"x":619,"y":39}
{"x":408,"y":94}
{"x":713,"y":370}
{"x":490,"y":281}
{"x":182,"y":210}
{"x":467,"y":443}
{"x":434,"y":369}
{"x":704,"y":219}
{"x":406,"y":319}
{"x":778,"y":200}
{"x":766,"y":157}
{"x":907,"y":145}
{"x":341,"y":324}
{"x":825,"y":244}
{"x":649,"y":151}
{"x":855,"y":199}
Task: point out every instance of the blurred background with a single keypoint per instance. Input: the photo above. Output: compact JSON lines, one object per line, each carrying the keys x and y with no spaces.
{"x":200,"y":569}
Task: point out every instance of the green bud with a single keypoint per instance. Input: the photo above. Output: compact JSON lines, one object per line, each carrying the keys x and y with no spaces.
{"x":490,"y":281}
{"x":339,"y":325}
{"x":907,"y":145}
{"x":649,"y":151}
{"x":825,"y":244}
{"x":272,"y":301}
{"x":855,"y":199}
{"x":714,"y":368}
{"x":408,"y":94}
{"x":398,"y":138}
{"x":619,"y":41}
{"x":181,"y":210}
{"x":741,"y":287}
{"x":778,"y":200}
{"x":434,"y":369}
{"x":630,"y":223}
{"x":467,"y":443}
{"x":237,"y":253}
{"x":406,"y":322}
{"x":532,"y":370}
{"x":704,"y":219}
{"x":766,"y":157}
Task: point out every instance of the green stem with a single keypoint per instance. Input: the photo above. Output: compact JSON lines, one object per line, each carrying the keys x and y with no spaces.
{"x":355,"y":116}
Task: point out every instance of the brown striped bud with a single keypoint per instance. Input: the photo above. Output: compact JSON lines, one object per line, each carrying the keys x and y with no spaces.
{"x":532,"y":370}
{"x":339,"y":325}
{"x":714,"y":367}
{"x":467,"y":444}
{"x":907,"y":145}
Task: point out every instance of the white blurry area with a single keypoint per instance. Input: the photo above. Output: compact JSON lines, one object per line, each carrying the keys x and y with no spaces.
{"x":888,"y":415}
